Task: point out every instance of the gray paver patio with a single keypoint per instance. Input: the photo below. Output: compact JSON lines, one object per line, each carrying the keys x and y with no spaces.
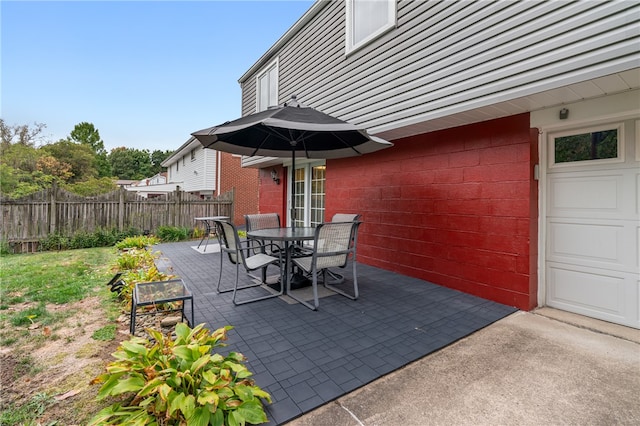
{"x":306,"y":358}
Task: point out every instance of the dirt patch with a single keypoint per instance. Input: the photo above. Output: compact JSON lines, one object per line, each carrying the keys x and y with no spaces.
{"x":60,"y":362}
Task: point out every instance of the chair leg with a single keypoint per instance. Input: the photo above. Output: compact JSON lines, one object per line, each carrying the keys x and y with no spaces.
{"x":269,"y":296}
{"x":342,"y":292}
{"x":231,"y":289}
{"x":314,"y":284}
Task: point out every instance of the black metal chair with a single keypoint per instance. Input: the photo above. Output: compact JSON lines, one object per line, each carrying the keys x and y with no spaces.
{"x":334,"y":244}
{"x":248,"y":255}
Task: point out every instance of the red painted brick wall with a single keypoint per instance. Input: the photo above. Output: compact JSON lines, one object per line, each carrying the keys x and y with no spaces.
{"x":273,"y":195}
{"x":456,"y":207}
{"x":245,"y":183}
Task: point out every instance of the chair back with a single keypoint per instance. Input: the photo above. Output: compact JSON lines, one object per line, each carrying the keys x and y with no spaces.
{"x":262,"y":221}
{"x":229,"y":241}
{"x":334,"y":242}
{"x":345,"y":217}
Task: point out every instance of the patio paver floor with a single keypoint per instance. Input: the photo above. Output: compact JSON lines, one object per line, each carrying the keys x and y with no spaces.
{"x":306,"y":358}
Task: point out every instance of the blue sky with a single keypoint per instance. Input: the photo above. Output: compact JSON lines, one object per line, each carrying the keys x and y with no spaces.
{"x":145,"y":73}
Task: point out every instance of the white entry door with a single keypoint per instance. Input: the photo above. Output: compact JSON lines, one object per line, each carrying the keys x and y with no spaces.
{"x":592,"y":222}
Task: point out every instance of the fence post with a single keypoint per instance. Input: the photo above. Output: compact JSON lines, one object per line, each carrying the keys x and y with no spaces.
{"x":53,"y":214}
{"x":177,"y":204}
{"x":121,"y":209}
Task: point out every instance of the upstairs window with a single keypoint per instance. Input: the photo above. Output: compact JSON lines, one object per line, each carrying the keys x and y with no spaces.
{"x":193,"y":154}
{"x":267,"y":87}
{"x":368,"y":19}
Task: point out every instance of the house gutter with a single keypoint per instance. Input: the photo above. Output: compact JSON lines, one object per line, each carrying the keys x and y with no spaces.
{"x":300,"y":23}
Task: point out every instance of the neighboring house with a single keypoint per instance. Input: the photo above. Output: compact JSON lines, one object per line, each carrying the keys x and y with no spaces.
{"x":124,"y":183}
{"x":155,"y":186}
{"x":515,"y":171}
{"x":207,"y":173}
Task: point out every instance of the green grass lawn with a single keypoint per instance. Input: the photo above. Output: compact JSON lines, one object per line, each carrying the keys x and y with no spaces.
{"x":37,"y":295}
{"x":31,"y":281}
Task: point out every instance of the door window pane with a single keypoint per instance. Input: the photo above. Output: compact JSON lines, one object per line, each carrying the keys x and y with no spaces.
{"x":317,"y":194}
{"x":298,"y":202}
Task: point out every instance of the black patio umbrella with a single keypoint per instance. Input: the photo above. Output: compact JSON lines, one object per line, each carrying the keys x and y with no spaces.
{"x":290,"y":130}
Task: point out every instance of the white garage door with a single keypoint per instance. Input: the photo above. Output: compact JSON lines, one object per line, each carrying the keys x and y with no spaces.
{"x":592,"y":222}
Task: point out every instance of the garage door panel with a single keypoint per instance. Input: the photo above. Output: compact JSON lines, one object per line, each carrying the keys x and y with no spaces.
{"x":602,"y":294}
{"x":586,"y":195}
{"x":593,"y":243}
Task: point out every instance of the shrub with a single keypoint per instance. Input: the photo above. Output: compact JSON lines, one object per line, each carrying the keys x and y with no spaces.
{"x":180,"y":382}
{"x":54,"y":241}
{"x":172,"y":233}
{"x":138,"y":242}
{"x":83,"y":239}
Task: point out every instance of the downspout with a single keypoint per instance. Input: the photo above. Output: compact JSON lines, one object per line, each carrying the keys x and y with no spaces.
{"x":218,"y":172}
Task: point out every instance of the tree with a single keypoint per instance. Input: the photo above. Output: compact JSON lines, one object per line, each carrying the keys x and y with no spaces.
{"x":22,"y":135}
{"x":78,"y":156}
{"x":92,"y":186}
{"x":86,"y":134}
{"x":157,"y":157}
{"x":130,"y":163}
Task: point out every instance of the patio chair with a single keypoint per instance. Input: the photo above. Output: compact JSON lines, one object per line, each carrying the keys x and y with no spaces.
{"x":342,"y":217}
{"x":334,"y":243}
{"x":241,"y":253}
{"x":263,"y":221}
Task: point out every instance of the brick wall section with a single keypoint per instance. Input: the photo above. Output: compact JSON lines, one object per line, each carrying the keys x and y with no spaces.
{"x":456,"y":207}
{"x":272,"y":195}
{"x":245,"y":183}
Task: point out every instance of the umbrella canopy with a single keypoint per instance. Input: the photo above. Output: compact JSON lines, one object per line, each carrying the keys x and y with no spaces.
{"x":290,"y":130}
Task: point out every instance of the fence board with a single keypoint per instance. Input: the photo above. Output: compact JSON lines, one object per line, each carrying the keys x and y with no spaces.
{"x":55,"y":210}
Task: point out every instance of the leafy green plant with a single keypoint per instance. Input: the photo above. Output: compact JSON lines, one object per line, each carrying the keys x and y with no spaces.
{"x":134,"y":259}
{"x":82,"y":239}
{"x":173,"y":233}
{"x":180,"y":382}
{"x":53,"y":242}
{"x":138,"y":242}
{"x":5,"y":248}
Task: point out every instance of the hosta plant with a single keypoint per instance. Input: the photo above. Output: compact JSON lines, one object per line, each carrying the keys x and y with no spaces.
{"x":179,"y":382}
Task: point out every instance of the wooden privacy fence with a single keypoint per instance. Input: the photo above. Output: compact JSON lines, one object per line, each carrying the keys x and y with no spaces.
{"x":55,"y":210}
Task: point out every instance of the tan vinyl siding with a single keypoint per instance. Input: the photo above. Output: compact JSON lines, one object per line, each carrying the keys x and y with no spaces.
{"x":447,"y":57}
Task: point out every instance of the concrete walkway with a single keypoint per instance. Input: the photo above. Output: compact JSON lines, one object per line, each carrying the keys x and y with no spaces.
{"x":542,"y":368}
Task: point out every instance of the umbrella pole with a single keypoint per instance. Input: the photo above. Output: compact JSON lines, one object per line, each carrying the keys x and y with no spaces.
{"x":293,"y":190}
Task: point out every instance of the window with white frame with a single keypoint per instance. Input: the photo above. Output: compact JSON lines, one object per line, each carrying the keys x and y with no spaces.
{"x":193,"y":154}
{"x":588,"y":145}
{"x":368,"y":19}
{"x":267,"y":87}
{"x":309,"y":202}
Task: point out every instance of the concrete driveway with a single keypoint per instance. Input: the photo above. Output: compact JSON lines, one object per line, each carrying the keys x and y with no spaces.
{"x":531,"y":368}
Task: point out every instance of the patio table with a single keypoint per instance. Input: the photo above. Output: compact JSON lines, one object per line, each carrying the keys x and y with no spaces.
{"x":209,"y":222}
{"x":288,"y":236}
